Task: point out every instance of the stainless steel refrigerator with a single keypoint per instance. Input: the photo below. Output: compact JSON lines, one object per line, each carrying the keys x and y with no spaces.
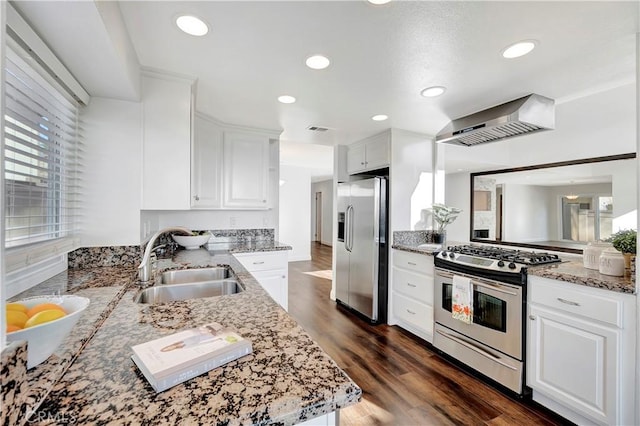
{"x":362,"y":252}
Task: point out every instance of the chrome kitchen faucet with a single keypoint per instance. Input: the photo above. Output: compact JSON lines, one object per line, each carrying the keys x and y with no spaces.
{"x":144,"y":270}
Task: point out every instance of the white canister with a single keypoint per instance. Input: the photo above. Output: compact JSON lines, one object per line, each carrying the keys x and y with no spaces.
{"x":591,"y":254}
{"x":611,"y":263}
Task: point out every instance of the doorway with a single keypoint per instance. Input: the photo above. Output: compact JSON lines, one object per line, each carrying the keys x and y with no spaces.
{"x":318,"y":232}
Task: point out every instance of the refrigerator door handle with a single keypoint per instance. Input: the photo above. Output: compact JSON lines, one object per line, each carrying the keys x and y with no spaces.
{"x":349,"y":228}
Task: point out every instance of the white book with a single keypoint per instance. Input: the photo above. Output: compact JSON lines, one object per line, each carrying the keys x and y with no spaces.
{"x":173,"y":359}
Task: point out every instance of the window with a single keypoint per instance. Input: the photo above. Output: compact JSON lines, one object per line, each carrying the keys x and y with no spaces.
{"x":40,"y":157}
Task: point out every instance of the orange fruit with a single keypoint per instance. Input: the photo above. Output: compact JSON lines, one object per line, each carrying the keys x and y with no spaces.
{"x":11,"y":328}
{"x":17,"y":307}
{"x":17,"y":318}
{"x":44,"y":307}
{"x":44,"y":317}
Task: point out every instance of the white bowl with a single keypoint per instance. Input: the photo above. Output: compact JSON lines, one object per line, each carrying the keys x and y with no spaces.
{"x":191,"y":242}
{"x":45,"y":338}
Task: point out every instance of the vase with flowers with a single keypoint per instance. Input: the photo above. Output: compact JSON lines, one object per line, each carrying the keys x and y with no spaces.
{"x":443,"y":216}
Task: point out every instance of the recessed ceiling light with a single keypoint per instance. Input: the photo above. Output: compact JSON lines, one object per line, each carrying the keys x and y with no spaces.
{"x":286,"y":99}
{"x":518,"y":49}
{"x":378,"y":2}
{"x":192,"y":25}
{"x":317,"y":62}
{"x":433,"y":91}
{"x":379,"y":117}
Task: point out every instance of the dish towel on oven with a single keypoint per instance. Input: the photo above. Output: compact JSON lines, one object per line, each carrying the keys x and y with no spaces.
{"x":462,"y":299}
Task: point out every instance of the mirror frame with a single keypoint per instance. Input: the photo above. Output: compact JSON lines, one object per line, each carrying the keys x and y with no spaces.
{"x":626,"y":156}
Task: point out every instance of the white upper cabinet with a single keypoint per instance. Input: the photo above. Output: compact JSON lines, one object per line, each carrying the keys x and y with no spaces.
{"x":246,"y":170}
{"x":233,"y":167}
{"x":369,"y":154}
{"x":206,"y":169}
{"x":166,"y":147}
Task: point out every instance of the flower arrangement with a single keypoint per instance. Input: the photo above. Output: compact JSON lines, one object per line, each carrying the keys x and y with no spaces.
{"x":444,"y":215}
{"x":624,"y":241}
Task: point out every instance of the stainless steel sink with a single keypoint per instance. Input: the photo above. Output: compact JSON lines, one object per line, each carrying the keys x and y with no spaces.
{"x":175,"y":292}
{"x":194,"y":275}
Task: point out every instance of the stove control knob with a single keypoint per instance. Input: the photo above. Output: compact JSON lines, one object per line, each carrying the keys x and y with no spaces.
{"x":452,"y":255}
{"x":501,"y":263}
{"x":512,"y":265}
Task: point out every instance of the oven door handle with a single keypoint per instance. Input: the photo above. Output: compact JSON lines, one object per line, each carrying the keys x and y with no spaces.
{"x":476,"y":349}
{"x":481,"y":284}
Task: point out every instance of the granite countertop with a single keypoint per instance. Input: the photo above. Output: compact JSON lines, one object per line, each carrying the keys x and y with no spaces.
{"x":429,"y":250}
{"x":574,"y":272}
{"x":287,"y":379}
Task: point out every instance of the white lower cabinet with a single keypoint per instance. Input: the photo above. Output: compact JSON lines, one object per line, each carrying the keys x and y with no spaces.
{"x":271,"y":270}
{"x":581,"y":351}
{"x":330,"y":419}
{"x":412,"y":293}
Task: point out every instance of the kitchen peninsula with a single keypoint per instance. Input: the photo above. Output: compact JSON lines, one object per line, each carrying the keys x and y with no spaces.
{"x":287,"y":379}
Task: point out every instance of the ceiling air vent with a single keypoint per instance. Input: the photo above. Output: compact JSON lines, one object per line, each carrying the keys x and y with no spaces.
{"x":317,"y":128}
{"x":530,"y":114}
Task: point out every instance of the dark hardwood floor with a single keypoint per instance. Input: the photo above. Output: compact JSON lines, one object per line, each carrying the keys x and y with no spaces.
{"x":404,"y":382}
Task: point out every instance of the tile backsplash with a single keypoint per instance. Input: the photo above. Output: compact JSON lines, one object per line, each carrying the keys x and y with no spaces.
{"x":91,"y":257}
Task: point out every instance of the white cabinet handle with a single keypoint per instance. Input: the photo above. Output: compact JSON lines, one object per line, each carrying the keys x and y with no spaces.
{"x":258,"y":263}
{"x":195,"y":197}
{"x":411,"y":312}
{"x":532,"y":317}
{"x":411,"y":285}
{"x":568,"y":302}
{"x":411,"y":263}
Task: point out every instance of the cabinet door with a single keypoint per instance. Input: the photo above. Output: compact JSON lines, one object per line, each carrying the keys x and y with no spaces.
{"x":206,"y":173}
{"x":275,"y":282}
{"x":246,"y":170}
{"x":377,"y":152}
{"x":574,"y":362}
{"x":356,"y":161}
{"x":415,"y":313}
{"x":166,"y":144}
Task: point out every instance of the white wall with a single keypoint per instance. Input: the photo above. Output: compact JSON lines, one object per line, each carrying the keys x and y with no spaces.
{"x":326,"y":232}
{"x":457,"y":194}
{"x":295,"y":211}
{"x":113,"y":158}
{"x":210,"y":219}
{"x":411,"y":178}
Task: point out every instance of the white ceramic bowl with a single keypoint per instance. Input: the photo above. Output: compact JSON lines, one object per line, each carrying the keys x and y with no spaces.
{"x":45,"y":338}
{"x":191,"y":242}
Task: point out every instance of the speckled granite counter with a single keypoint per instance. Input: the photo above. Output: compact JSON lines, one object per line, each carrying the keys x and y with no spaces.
{"x":104,"y":287}
{"x":573,"y":272}
{"x":286,"y":380}
{"x":412,"y":240}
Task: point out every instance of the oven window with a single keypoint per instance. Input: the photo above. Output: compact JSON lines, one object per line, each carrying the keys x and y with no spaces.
{"x":488,"y":311}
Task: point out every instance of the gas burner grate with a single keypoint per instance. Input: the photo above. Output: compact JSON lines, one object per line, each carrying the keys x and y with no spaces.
{"x":507,"y":255}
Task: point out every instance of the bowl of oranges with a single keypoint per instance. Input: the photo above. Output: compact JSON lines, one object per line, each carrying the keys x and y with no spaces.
{"x":44,"y":322}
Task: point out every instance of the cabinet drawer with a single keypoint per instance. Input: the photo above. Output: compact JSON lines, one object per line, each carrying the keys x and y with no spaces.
{"x":414,"y":313}
{"x":263,"y":261}
{"x":576,"y":299}
{"x":420,"y":263}
{"x":417,"y":286}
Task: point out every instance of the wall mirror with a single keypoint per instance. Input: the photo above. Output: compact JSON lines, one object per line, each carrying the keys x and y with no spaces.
{"x":556,"y":206}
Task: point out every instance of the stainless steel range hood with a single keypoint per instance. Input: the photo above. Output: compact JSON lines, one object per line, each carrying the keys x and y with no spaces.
{"x":522,"y":116}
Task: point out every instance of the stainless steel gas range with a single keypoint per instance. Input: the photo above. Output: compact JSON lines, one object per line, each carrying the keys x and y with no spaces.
{"x":492,"y":340}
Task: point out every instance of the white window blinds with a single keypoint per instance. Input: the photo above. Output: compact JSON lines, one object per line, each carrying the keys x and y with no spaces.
{"x":41,"y":158}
